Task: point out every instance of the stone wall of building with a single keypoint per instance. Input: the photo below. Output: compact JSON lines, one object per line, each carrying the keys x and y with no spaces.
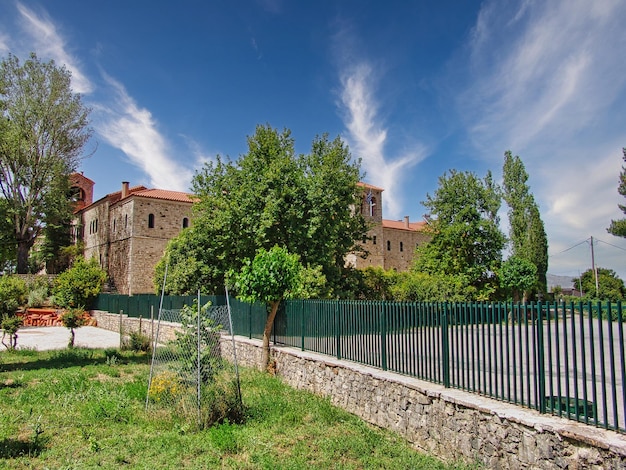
{"x":400,"y":247}
{"x":448,"y":423}
{"x":148,"y":244}
{"x":95,"y":231}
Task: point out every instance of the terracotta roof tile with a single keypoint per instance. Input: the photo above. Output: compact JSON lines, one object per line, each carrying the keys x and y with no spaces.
{"x":401,"y":225}
{"x":177,"y":196}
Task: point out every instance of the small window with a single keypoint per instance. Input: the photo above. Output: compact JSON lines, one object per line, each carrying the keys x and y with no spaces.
{"x":95,"y":226}
{"x":185,"y":222}
{"x":388,"y":245}
{"x":401,"y":246}
{"x":126,"y":221}
{"x":150,"y":220}
{"x":374,"y":240}
{"x":114,"y":225}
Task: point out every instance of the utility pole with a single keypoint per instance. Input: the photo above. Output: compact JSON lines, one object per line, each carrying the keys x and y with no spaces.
{"x":593,"y":266}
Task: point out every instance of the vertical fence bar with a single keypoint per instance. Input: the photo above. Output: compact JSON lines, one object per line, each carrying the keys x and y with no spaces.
{"x":583,"y":354}
{"x":383,"y":336}
{"x":541,"y":374}
{"x":602,"y":366}
{"x":622,"y":362}
{"x":555,"y":305}
{"x":612,"y":364}
{"x":337,"y":330}
{"x":445,"y":347}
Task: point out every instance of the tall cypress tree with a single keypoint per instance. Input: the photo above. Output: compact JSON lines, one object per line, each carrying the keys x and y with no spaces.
{"x":527,"y":233}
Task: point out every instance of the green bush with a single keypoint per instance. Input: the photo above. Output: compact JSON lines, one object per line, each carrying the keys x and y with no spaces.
{"x":12,"y":294}
{"x":137,"y":342}
{"x":71,"y":319}
{"x":80,"y":284}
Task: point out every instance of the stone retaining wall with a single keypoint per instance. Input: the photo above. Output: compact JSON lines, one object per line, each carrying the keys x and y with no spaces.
{"x":448,"y":423}
{"x":111,"y":322}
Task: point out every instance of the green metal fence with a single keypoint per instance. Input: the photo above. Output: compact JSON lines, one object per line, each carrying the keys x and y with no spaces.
{"x":145,"y":305}
{"x":565,"y":359}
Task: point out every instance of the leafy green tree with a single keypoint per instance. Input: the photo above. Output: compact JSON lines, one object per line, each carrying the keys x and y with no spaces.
{"x":610,"y":285}
{"x":527,"y":232}
{"x":77,"y":286}
{"x":466,"y":240}
{"x":618,"y":227}
{"x":270,"y":196}
{"x":269,"y":278}
{"x":73,"y":318}
{"x":12,"y":294}
{"x":43,"y":129}
{"x":517,"y":276}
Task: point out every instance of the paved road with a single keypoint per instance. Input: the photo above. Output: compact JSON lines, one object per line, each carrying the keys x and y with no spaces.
{"x":57,"y":337}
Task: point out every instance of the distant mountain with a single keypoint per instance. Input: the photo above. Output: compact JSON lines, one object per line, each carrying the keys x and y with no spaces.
{"x":563,"y":281}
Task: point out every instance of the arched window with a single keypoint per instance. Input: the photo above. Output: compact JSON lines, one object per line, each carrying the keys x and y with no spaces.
{"x":374,"y":240}
{"x":150,"y":220}
{"x":388,"y":245}
{"x":95,"y":226}
{"x":185,"y":222}
{"x":401,"y":246}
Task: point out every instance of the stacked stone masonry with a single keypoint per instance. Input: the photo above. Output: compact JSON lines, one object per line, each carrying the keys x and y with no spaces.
{"x":448,"y":423}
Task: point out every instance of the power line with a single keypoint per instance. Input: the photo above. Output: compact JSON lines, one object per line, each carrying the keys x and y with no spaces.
{"x":570,"y":248}
{"x":614,"y":246}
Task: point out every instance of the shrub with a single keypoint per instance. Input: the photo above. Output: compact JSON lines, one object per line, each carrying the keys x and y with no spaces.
{"x":10,"y":325}
{"x":12,"y":294}
{"x":138,"y":342}
{"x":80,"y":284}
{"x":37,"y":297}
{"x":73,"y":318}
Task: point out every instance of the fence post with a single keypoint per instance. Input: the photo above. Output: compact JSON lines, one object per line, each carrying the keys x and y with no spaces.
{"x":445,"y":346}
{"x":383,"y":334}
{"x":121,"y":326}
{"x":337,"y":329}
{"x":541,"y":374}
{"x":301,"y":302}
{"x":249,"y":320}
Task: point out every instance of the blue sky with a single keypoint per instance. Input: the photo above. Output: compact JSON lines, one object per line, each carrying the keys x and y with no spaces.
{"x":415,"y":89}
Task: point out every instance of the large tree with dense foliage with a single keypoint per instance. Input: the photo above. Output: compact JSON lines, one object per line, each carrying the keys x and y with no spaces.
{"x":610,"y":285}
{"x":43,"y":130}
{"x":270,"y":196}
{"x":527,"y":234}
{"x":618,"y":227}
{"x":467,"y":241}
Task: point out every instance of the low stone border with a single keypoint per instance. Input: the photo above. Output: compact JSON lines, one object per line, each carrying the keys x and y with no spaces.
{"x":448,"y":423}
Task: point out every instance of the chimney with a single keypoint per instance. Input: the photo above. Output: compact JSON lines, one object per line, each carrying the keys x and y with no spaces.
{"x":406,"y":221}
{"x":124,"y":189}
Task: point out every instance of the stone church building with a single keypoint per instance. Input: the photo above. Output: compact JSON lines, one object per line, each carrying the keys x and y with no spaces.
{"x":127,"y":231}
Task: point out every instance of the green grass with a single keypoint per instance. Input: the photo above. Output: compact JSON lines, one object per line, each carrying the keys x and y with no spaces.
{"x":74,"y":410}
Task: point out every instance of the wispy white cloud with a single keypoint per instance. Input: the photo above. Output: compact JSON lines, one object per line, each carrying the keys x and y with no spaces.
{"x":367,"y":137}
{"x":48,"y":42}
{"x":548,"y":82}
{"x":132,"y":129}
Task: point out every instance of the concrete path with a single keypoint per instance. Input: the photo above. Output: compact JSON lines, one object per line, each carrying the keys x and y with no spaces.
{"x":57,"y":337}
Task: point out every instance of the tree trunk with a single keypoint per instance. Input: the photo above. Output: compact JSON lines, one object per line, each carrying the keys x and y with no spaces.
{"x":265,"y":359}
{"x":23,"y":248}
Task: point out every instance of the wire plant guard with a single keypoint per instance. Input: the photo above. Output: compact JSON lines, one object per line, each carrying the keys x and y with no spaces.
{"x":191,"y":374}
